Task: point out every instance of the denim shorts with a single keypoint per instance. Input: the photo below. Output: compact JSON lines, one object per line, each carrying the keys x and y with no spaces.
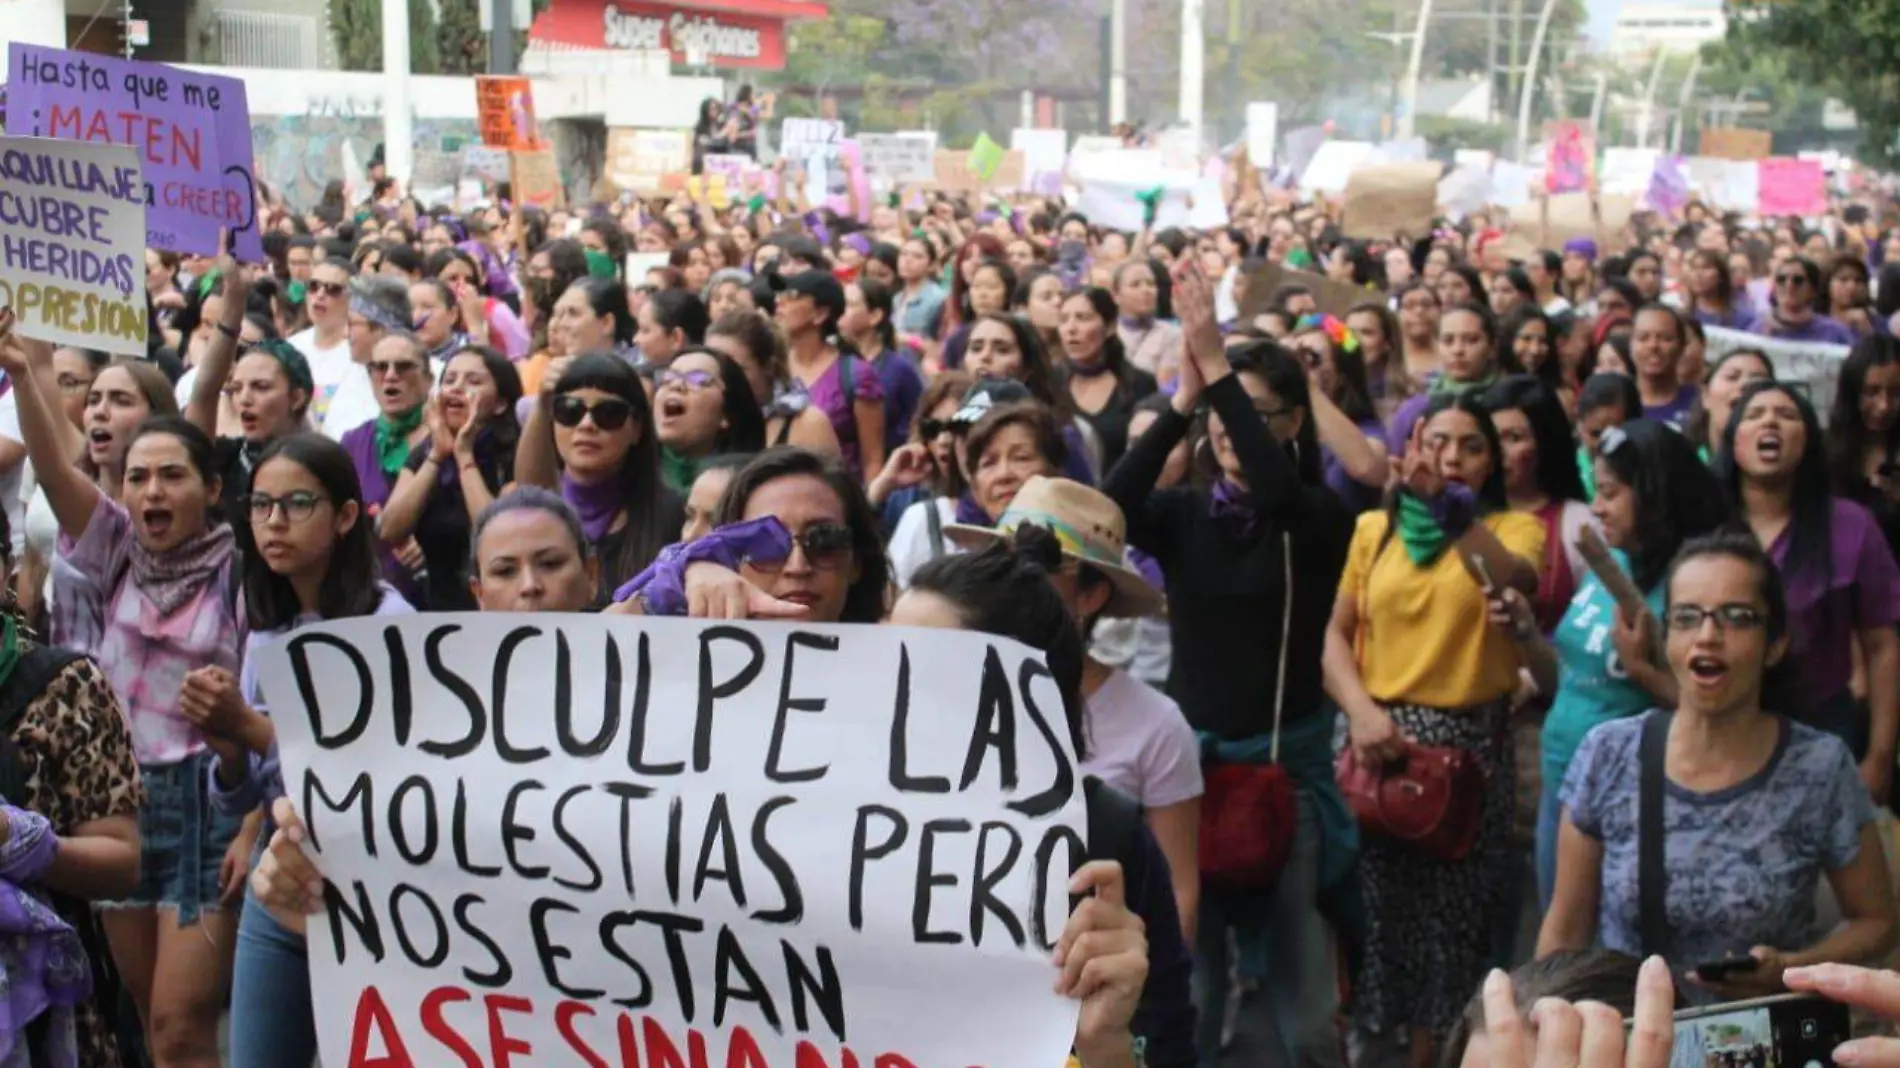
{"x":182,"y":841}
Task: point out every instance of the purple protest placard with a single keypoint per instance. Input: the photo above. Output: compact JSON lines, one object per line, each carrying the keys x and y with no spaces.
{"x":191,"y":131}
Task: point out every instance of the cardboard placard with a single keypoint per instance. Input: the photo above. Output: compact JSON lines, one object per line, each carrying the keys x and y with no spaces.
{"x":638,"y":160}
{"x":505,"y":111}
{"x":1547,"y":222}
{"x":1570,"y":159}
{"x":804,"y":139}
{"x":536,"y":178}
{"x":1812,"y":366}
{"x":856,"y":851}
{"x":489,"y":164}
{"x":1791,"y":186}
{"x":1734,"y":142}
{"x":190,"y":131}
{"x":1391,"y":199}
{"x":899,"y":159}
{"x":1333,"y":298}
{"x":80,"y":281}
{"x":1263,"y":130}
{"x":955,"y":175}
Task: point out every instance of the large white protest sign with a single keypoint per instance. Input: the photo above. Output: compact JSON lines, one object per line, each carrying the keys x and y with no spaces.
{"x":1263,"y":129}
{"x":1812,"y":366}
{"x":899,"y":159}
{"x":72,"y":243}
{"x":598,"y":839}
{"x":805,"y":139}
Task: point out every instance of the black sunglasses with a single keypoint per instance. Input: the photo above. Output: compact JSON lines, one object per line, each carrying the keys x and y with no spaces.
{"x":827,"y":546}
{"x":329,"y":289}
{"x":931,"y":428}
{"x":610,"y":413}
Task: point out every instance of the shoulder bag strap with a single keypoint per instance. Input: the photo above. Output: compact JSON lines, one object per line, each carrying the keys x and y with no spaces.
{"x":933,"y":517}
{"x":1286,"y":636}
{"x":1652,"y":879}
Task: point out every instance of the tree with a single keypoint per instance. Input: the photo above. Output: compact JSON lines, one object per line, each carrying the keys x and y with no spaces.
{"x":460,"y":42}
{"x":356,"y":26}
{"x":1848,"y":49}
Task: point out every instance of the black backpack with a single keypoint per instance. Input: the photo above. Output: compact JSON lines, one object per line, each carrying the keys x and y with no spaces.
{"x":37,"y":669}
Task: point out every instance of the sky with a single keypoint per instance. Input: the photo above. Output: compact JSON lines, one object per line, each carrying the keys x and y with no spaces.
{"x":1603,"y":14}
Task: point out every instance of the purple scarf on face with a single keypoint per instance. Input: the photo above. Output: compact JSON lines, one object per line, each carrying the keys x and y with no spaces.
{"x":598,"y":504}
{"x":970,"y":514}
{"x":1233,"y":504}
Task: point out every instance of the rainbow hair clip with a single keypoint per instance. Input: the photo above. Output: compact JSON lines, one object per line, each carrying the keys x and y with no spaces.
{"x":1336,"y":331}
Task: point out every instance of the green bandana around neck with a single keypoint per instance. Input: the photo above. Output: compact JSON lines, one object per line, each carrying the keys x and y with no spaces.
{"x":392,"y":440}
{"x":1587,"y":467}
{"x":1443,"y":385}
{"x":1419,"y":532}
{"x":679,"y":472}
{"x":9,"y":648}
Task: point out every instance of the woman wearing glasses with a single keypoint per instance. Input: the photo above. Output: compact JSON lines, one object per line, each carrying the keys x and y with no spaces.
{"x":316,"y":560}
{"x":1842,"y":586}
{"x":591,"y":437}
{"x":168,"y":575}
{"x":1792,"y":315}
{"x":398,"y":371}
{"x":702,"y":407}
{"x":469,"y":461}
{"x":1756,"y":809}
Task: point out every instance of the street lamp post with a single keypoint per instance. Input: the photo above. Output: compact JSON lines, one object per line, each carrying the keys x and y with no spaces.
{"x":1530,"y":79}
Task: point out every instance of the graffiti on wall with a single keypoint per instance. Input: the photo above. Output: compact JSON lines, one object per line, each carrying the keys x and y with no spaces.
{"x":300,"y":154}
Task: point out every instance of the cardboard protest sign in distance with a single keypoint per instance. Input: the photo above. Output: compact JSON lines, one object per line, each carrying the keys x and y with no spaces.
{"x":72,"y":243}
{"x":535,"y":178}
{"x":899,"y":159}
{"x":1791,"y":186}
{"x":637,"y":159}
{"x":1812,"y":366}
{"x":956,"y":175}
{"x":191,"y":132}
{"x":1333,"y":298}
{"x":1570,"y":163}
{"x":787,"y":840}
{"x":505,"y":112}
{"x":805,"y":139}
{"x":1735,"y":142}
{"x":1391,"y":198}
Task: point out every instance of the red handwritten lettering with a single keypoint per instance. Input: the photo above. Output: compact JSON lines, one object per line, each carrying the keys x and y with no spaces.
{"x":371,"y":1011}
{"x":564,"y":1014}
{"x":502,"y":1045}
{"x":438,"y":1028}
{"x":157,"y":139}
{"x":742,"y":1051}
{"x":810,"y":1057}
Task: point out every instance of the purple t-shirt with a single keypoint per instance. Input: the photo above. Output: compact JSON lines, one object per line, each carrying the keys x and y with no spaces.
{"x":1740,"y":315}
{"x":1820,"y":328}
{"x":1676,"y":411}
{"x":828,"y":395}
{"x":1864,"y":593}
{"x":360,"y":443}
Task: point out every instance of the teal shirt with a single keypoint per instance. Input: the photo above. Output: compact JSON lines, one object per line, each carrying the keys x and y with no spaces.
{"x":1592,"y":686}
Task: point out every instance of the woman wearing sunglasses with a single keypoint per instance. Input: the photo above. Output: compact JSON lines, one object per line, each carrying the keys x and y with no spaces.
{"x":926,"y":467}
{"x":1793,"y":314}
{"x":469,"y":461}
{"x":398,"y":371}
{"x":702,"y":407}
{"x":316,"y":560}
{"x":591,"y":436}
{"x":1757,"y":808}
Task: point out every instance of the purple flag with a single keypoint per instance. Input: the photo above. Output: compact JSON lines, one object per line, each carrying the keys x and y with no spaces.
{"x":192,"y":133}
{"x":1668,"y":186}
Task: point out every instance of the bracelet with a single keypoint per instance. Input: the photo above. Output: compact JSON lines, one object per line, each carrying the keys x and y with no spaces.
{"x":470,"y":466}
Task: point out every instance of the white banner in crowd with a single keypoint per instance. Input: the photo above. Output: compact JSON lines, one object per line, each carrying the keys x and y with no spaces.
{"x":1108,"y":183}
{"x":1626,"y":171}
{"x":595,"y":839}
{"x":1045,"y":156}
{"x":1332,"y":165}
{"x":72,"y":243}
{"x":1814,"y":367}
{"x":806,"y":139}
{"x":899,"y":159}
{"x":1263,"y":129}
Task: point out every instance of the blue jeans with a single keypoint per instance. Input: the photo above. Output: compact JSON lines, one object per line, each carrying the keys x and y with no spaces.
{"x":1300,"y":986}
{"x":272,"y":1024}
{"x":1549,"y":812}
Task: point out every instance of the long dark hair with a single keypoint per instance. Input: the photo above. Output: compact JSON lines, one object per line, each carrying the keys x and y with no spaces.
{"x":1677,"y":496}
{"x":1036,"y":374}
{"x":606,"y":296}
{"x":744,"y":432}
{"x":1847,"y":433}
{"x":1551,"y":371}
{"x":1811,"y":502}
{"x":878,"y":298}
{"x":864,"y":602}
{"x":503,"y":430}
{"x":352,"y":580}
{"x":643,"y":493}
{"x":1005,"y":590}
{"x":1114,"y":353}
{"x":1490,"y":495}
{"x":1557,"y":475}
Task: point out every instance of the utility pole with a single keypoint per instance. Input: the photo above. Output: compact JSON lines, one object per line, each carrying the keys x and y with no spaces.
{"x":1530,"y":80}
{"x":1117,"y":61}
{"x":399,"y":150}
{"x":1408,"y":116}
{"x":1491,"y":108}
{"x":501,"y":36}
{"x":1193,"y":63}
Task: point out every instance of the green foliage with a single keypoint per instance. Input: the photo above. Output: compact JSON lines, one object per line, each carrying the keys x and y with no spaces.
{"x":1845,"y":49}
{"x":356,"y":26}
{"x":1447,"y":134}
{"x":460,"y":42}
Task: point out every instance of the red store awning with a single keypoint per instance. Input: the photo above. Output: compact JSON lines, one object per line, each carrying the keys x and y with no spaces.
{"x":730,"y":33}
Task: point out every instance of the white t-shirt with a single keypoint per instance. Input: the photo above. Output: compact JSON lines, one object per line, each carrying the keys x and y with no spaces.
{"x":910,"y":546}
{"x":1139,"y":742}
{"x":12,"y":483}
{"x":352,"y":405}
{"x":329,"y":369}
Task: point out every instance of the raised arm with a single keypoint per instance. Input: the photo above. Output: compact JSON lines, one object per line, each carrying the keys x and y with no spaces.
{"x":536,"y":462}
{"x":214,"y":369}
{"x":70,"y":492}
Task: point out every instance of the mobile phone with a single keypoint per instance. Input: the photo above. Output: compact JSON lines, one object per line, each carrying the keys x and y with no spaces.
{"x":1716,"y":971}
{"x":1483,"y":572}
{"x":1790,"y":1031}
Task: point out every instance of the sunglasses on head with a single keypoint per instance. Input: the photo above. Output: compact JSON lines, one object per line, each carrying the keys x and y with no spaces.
{"x":827,"y":546}
{"x":330,"y":289}
{"x":609,"y":413}
{"x":930,"y":428}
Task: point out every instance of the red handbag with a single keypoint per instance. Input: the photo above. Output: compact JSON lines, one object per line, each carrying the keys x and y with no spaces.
{"x":1250,"y":812}
{"x":1433,"y":800}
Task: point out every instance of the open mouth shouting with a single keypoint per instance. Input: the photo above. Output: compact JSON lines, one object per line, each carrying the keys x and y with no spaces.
{"x":1708,"y":670}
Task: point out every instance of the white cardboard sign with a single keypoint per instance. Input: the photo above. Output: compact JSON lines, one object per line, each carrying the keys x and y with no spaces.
{"x":72,"y":243}
{"x":553,"y":836}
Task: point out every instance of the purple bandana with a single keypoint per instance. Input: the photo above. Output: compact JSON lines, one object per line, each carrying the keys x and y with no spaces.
{"x":598,"y":504}
{"x":1234,"y":505}
{"x":970,"y":515}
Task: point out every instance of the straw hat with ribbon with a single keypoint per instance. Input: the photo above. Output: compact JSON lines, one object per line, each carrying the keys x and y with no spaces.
{"x":1091,"y":530}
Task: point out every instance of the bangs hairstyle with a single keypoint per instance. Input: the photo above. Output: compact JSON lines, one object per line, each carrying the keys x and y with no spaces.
{"x":1678,"y":498}
{"x":1004,"y":590}
{"x":1812,"y":500}
{"x":1032,"y":416}
{"x":864,"y":602}
{"x":352,"y":581}
{"x":647,"y":531}
{"x":1557,"y":475}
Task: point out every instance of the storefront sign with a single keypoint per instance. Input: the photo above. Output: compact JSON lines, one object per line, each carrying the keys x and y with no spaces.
{"x":717,"y":38}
